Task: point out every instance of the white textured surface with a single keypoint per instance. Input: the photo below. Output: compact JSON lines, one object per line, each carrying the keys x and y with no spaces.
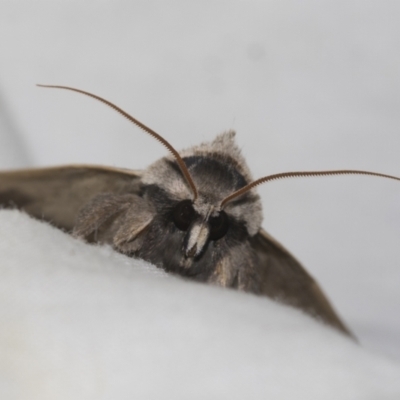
{"x":82,"y":322}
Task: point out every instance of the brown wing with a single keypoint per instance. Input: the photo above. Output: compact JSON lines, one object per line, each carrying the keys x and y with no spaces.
{"x":57,"y":194}
{"x":284,"y":279}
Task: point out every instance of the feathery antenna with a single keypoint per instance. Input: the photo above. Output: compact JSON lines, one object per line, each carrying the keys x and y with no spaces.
{"x":295,"y":174}
{"x":178,"y":158}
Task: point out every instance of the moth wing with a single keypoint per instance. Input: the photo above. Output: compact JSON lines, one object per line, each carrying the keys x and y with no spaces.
{"x":284,"y":279}
{"x":57,"y":194}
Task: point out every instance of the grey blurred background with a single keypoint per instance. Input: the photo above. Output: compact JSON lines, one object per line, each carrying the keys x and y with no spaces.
{"x":307,"y":85}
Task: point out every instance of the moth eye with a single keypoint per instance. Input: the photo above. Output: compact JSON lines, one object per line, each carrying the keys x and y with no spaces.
{"x":219,"y":226}
{"x":183,"y":215}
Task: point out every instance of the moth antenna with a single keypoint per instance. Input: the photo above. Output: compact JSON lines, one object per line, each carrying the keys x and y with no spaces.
{"x":158,"y":137}
{"x":284,"y":175}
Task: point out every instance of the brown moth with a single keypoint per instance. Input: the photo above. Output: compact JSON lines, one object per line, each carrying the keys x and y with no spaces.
{"x":194,"y":213}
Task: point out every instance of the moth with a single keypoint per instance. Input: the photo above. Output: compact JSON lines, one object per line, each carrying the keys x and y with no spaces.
{"x":195,"y":213}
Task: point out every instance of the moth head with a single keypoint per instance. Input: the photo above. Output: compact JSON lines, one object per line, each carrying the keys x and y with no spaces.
{"x":217,"y":169}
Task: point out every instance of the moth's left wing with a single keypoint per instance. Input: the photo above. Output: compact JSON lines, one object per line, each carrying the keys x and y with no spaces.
{"x":57,"y":194}
{"x":284,"y":279}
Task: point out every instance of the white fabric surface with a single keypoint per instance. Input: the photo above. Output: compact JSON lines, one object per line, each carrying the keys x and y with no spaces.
{"x":83,"y":322}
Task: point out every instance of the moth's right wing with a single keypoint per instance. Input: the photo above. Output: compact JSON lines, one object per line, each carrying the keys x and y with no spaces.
{"x":284,"y":279}
{"x":57,"y":194}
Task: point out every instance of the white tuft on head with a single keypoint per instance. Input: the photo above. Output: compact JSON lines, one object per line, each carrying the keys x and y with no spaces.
{"x":225,"y":145}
